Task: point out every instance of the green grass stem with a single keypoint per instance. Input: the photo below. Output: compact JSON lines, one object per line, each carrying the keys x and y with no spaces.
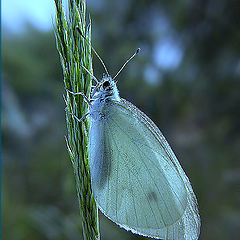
{"x":75,"y":52}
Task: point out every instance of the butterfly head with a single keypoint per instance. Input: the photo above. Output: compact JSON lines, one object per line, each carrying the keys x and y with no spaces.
{"x":107,"y":83}
{"x":107,"y":90}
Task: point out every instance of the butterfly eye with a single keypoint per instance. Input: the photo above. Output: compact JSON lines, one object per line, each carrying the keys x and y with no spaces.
{"x":106,"y":84}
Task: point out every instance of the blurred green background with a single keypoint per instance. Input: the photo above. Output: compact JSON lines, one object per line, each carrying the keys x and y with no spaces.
{"x":186,"y":79}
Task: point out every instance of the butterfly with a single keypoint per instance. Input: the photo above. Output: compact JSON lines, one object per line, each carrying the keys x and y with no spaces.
{"x":136,"y":179}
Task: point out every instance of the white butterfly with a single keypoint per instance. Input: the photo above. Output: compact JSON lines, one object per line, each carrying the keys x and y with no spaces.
{"x":136,"y":179}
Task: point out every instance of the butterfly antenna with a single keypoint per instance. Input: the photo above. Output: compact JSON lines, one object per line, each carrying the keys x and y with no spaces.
{"x":123,"y":66}
{"x":104,"y":66}
{"x":89,"y":73}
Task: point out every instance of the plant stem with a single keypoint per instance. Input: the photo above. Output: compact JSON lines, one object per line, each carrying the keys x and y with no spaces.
{"x":75,"y":52}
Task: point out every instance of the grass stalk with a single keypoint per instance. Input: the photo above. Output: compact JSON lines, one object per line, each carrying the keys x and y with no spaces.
{"x":75,"y":52}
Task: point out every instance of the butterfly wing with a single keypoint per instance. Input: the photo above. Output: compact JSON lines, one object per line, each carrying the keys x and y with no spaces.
{"x":136,"y":179}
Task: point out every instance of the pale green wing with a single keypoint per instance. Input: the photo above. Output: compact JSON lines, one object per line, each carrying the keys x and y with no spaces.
{"x":137,"y":181}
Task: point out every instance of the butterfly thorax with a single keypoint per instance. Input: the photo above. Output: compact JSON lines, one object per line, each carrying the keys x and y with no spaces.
{"x":107,"y":92}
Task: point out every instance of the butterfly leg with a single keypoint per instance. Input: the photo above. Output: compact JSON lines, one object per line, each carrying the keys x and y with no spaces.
{"x":78,"y":119}
{"x":80,"y":93}
{"x":84,"y":97}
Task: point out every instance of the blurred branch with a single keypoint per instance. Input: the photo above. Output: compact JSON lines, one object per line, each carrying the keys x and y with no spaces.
{"x":74,"y":53}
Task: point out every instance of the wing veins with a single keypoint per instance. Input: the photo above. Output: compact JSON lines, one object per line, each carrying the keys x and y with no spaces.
{"x":129,"y":181}
{"x":161,"y":170}
{"x":107,"y":195}
{"x":149,"y":173}
{"x":157,"y":134}
{"x":140,"y":185}
{"x":134,"y":204}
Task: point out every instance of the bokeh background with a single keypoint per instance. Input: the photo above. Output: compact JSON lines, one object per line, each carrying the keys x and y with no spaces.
{"x":187,"y":79}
